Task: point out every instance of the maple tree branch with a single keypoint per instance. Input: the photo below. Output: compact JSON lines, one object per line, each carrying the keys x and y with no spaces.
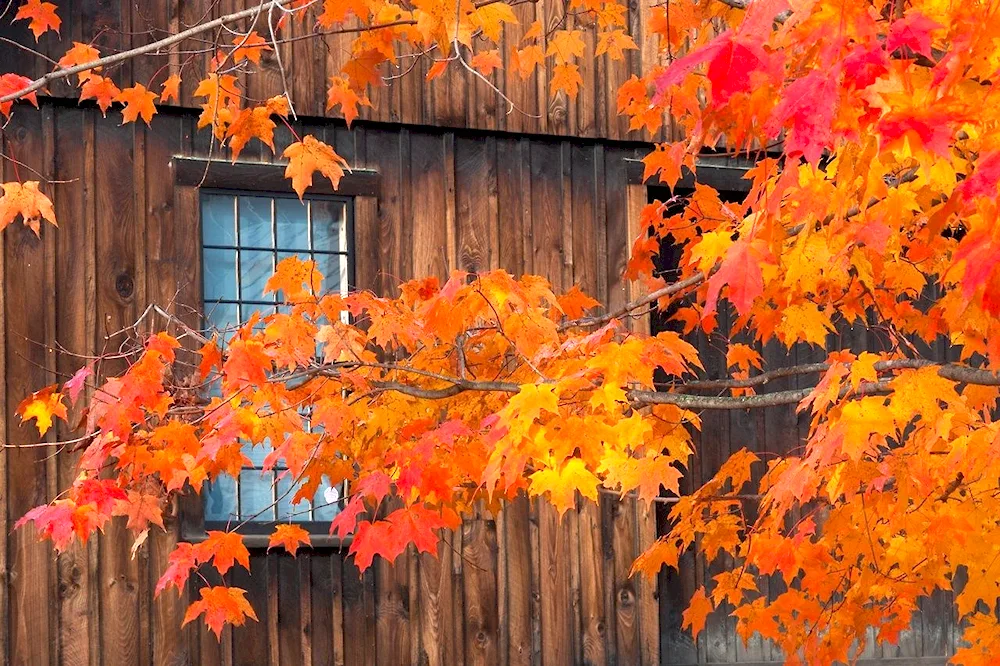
{"x":646,"y":299}
{"x":43,"y":81}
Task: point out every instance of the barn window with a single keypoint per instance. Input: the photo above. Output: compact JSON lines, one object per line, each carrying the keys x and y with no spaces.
{"x":244,"y":235}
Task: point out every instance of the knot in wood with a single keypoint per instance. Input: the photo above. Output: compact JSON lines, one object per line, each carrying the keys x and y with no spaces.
{"x":124,"y":285}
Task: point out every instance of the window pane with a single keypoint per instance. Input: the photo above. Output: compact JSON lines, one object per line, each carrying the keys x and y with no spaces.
{"x":255,"y":268}
{"x":329,"y":220}
{"x":334,"y":270}
{"x":255,"y":494}
{"x":222,"y":318}
{"x":327,"y":502}
{"x":286,"y":509}
{"x":218,"y":219}
{"x":220,"y":500}
{"x":292,"y":224}
{"x":257,"y":453}
{"x":255,"y":222}
{"x":220,"y":275}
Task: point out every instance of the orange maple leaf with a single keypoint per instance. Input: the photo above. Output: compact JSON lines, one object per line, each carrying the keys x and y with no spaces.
{"x":78,"y":55}
{"x":566,"y":45}
{"x":42,"y":406}
{"x":249,"y":47}
{"x":42,"y":16}
{"x":138,"y":102}
{"x":221,"y":605}
{"x":486,"y":61}
{"x":251,"y":123}
{"x":574,"y":302}
{"x":340,"y":92}
{"x":697,"y":612}
{"x":141,"y":509}
{"x":11,"y":84}
{"x":525,"y":61}
{"x":308,"y":156}
{"x":26,"y":200}
{"x":224,"y":549}
{"x":362,"y":70}
{"x":667,"y":162}
{"x":100,"y":88}
{"x":289,"y":537}
{"x":567,"y":79}
{"x":615,"y":43}
{"x":211,"y":357}
{"x":171,"y":89}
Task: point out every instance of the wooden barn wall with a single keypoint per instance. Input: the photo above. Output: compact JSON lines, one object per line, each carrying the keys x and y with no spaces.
{"x":456,"y":99}
{"x":519,"y":588}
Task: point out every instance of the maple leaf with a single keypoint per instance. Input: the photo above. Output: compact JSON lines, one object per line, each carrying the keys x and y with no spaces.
{"x":486,"y":61}
{"x":289,"y":537}
{"x":211,"y":357}
{"x":341,"y":93}
{"x":741,"y":272}
{"x":491,"y":18}
{"x":11,"y":84}
{"x":526,"y":60}
{"x":913,"y":32}
{"x":298,"y":279}
{"x":567,"y":79}
{"x":221,"y":605}
{"x":101,"y":89}
{"x":697,"y":612}
{"x":171,"y":89}
{"x":251,"y":123}
{"x":76,"y":383}
{"x":388,"y":538}
{"x":182,"y":561}
{"x":743,"y":357}
{"x":574,"y":303}
{"x":249,"y":47}
{"x":42,"y":17}
{"x":81,"y":54}
{"x":224,"y":549}
{"x":28,"y":202}
{"x":563,"y":484}
{"x":138,"y":102}
{"x":362,"y":70}
{"x":565,"y":45}
{"x":141,"y":509}
{"x":308,"y":156}
{"x":666,"y":162}
{"x":615,"y":43}
{"x":437,"y":69}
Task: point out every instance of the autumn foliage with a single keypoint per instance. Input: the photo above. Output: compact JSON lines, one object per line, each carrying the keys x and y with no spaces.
{"x":872,"y":202}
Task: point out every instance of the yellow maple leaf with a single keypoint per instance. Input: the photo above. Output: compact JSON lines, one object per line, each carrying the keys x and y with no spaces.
{"x":42,"y":406}
{"x":614,"y":43}
{"x":562,"y":485}
{"x":26,"y":200}
{"x":567,"y":79}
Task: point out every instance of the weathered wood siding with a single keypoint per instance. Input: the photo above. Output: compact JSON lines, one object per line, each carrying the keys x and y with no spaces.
{"x":456,"y":99}
{"x":519,"y":588}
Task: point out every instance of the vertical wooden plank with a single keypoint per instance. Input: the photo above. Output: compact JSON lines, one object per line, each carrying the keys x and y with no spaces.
{"x":319,"y":595}
{"x":479,"y":552}
{"x":509,"y":210}
{"x":523,"y":93}
{"x":618,"y":243}
{"x":392,"y":611}
{"x":74,"y":310}
{"x":5,"y":522}
{"x":167,"y":250}
{"x":519,"y":588}
{"x":428,"y":191}
{"x":475,"y":191}
{"x":250,"y":642}
{"x":438,"y":646}
{"x":384,"y":150}
{"x":118,"y":236}
{"x":359,"y":615}
{"x":337,"y":609}
{"x":29,"y":574}
{"x":290,"y":591}
{"x":626,"y":612}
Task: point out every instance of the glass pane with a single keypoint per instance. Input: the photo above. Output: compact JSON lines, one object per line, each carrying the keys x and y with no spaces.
{"x":220,"y":500}
{"x":329,"y":220}
{"x":255,"y":495}
{"x":255,"y":268}
{"x":257,"y":453}
{"x":220,"y":275}
{"x":255,"y":222}
{"x":286,"y":509}
{"x":327,"y":502}
{"x":334,"y":270}
{"x":222,"y":317}
{"x":218,"y":219}
{"x":292,"y":224}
